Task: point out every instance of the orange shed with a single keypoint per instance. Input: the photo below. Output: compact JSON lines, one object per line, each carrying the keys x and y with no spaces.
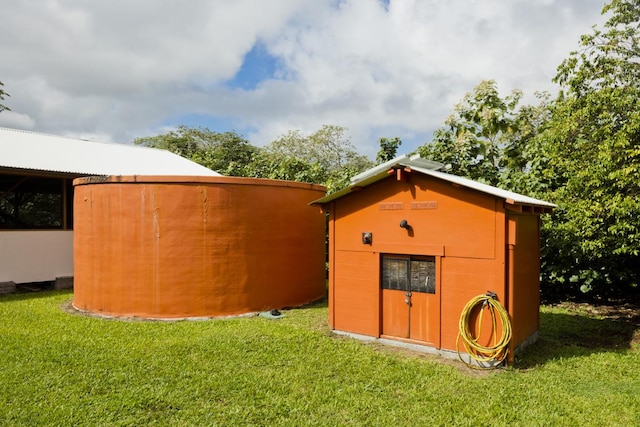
{"x":203,"y":246}
{"x":410,"y":246}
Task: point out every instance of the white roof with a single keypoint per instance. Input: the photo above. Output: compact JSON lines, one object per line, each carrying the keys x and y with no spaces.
{"x":430,"y":168}
{"x":39,"y":152}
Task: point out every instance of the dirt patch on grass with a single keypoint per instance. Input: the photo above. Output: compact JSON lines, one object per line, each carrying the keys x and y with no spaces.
{"x":625,"y":314}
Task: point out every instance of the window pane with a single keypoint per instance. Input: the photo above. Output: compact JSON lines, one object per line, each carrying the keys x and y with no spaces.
{"x":30,"y":202}
{"x":395,"y":272}
{"x":423,"y":275}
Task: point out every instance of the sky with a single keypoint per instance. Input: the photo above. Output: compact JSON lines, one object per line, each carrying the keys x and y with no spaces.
{"x":115,"y":70}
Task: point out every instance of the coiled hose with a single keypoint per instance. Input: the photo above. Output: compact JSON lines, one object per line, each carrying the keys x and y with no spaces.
{"x":488,"y":357}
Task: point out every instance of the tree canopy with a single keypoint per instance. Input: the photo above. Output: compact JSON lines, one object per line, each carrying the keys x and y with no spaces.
{"x":324,"y":157}
{"x":224,"y":152}
{"x":476,"y":137}
{"x":388,"y":149}
{"x":580,"y":150}
{"x":592,"y":149}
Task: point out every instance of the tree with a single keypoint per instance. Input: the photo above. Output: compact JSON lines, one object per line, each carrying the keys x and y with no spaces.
{"x":388,"y":149}
{"x":330,"y":155}
{"x":224,"y":152}
{"x":607,"y":58}
{"x":592,"y":147}
{"x":477,"y":136}
{"x":279,"y":166}
{"x":3,"y":94}
{"x":522,"y":154}
{"x":328,"y":147}
{"x":325,"y":157}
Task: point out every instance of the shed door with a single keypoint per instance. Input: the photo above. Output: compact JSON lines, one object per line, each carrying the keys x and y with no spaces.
{"x":410,"y":306}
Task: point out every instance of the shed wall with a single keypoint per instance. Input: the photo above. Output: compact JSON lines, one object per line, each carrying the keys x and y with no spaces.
{"x":466,"y":228}
{"x":524,"y":275}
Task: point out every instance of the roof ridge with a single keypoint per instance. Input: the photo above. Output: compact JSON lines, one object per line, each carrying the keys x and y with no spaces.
{"x":431,"y":168}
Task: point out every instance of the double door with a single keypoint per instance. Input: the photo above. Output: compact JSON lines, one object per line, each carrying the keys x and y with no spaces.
{"x":410,"y":303}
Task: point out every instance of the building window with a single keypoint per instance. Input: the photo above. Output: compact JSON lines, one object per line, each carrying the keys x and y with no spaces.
{"x":31,"y":202}
{"x":409,"y":273}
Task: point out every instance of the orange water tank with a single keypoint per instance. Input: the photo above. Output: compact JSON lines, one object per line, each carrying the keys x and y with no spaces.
{"x":184,"y":247}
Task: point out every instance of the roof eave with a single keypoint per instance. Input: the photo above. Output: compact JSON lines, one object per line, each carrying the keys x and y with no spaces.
{"x":529,"y":207}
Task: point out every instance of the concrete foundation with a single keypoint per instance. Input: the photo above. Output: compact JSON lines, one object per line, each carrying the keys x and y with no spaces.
{"x":7,"y":288}
{"x":65,"y":282}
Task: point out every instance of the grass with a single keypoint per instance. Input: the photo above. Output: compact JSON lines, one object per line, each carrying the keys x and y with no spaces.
{"x":63,"y":369}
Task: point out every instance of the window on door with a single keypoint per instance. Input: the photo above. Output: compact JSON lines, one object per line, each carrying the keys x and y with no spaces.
{"x":409,"y":273}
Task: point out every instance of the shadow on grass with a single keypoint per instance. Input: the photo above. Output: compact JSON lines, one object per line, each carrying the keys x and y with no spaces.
{"x":566,"y":335}
{"x":22,"y":295}
{"x":322,"y":302}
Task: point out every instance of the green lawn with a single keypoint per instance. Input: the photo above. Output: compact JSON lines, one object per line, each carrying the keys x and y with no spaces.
{"x":64,"y":369}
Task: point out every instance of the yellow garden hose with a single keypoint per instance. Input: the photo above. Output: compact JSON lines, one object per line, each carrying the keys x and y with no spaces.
{"x":487,"y":357}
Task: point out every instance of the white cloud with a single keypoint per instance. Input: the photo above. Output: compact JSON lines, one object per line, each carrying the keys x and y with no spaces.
{"x":10,"y":119}
{"x":120,"y":69}
{"x":405,"y":69}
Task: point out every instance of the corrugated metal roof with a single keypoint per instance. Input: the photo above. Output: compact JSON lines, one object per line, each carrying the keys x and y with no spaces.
{"x":430,"y":168}
{"x":40,"y":152}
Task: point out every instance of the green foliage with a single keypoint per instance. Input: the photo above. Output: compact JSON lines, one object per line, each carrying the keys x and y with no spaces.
{"x":60,"y":369}
{"x":26,"y":211}
{"x":476,"y":138}
{"x":340,"y":178}
{"x":329,"y":156}
{"x":280,"y":166}
{"x":324,"y":157}
{"x":580,"y":151}
{"x":3,"y":94}
{"x":328,"y":147}
{"x":388,"y":149}
{"x":31,"y":202}
{"x":592,"y":147}
{"x":226,"y":153}
{"x":607,"y":58}
{"x":523,"y":152}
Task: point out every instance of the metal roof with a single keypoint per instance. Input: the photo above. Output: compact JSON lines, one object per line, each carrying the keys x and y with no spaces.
{"x":431,"y":168}
{"x":40,"y":152}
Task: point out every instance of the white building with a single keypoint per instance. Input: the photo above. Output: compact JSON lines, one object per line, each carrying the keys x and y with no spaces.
{"x":36,"y":195}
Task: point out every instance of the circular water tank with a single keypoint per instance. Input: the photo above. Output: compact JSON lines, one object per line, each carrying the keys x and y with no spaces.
{"x":184,"y":247}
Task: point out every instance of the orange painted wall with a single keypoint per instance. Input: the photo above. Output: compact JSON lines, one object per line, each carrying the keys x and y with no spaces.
{"x":173,"y":247}
{"x":465,"y":229}
{"x":524,"y":273}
